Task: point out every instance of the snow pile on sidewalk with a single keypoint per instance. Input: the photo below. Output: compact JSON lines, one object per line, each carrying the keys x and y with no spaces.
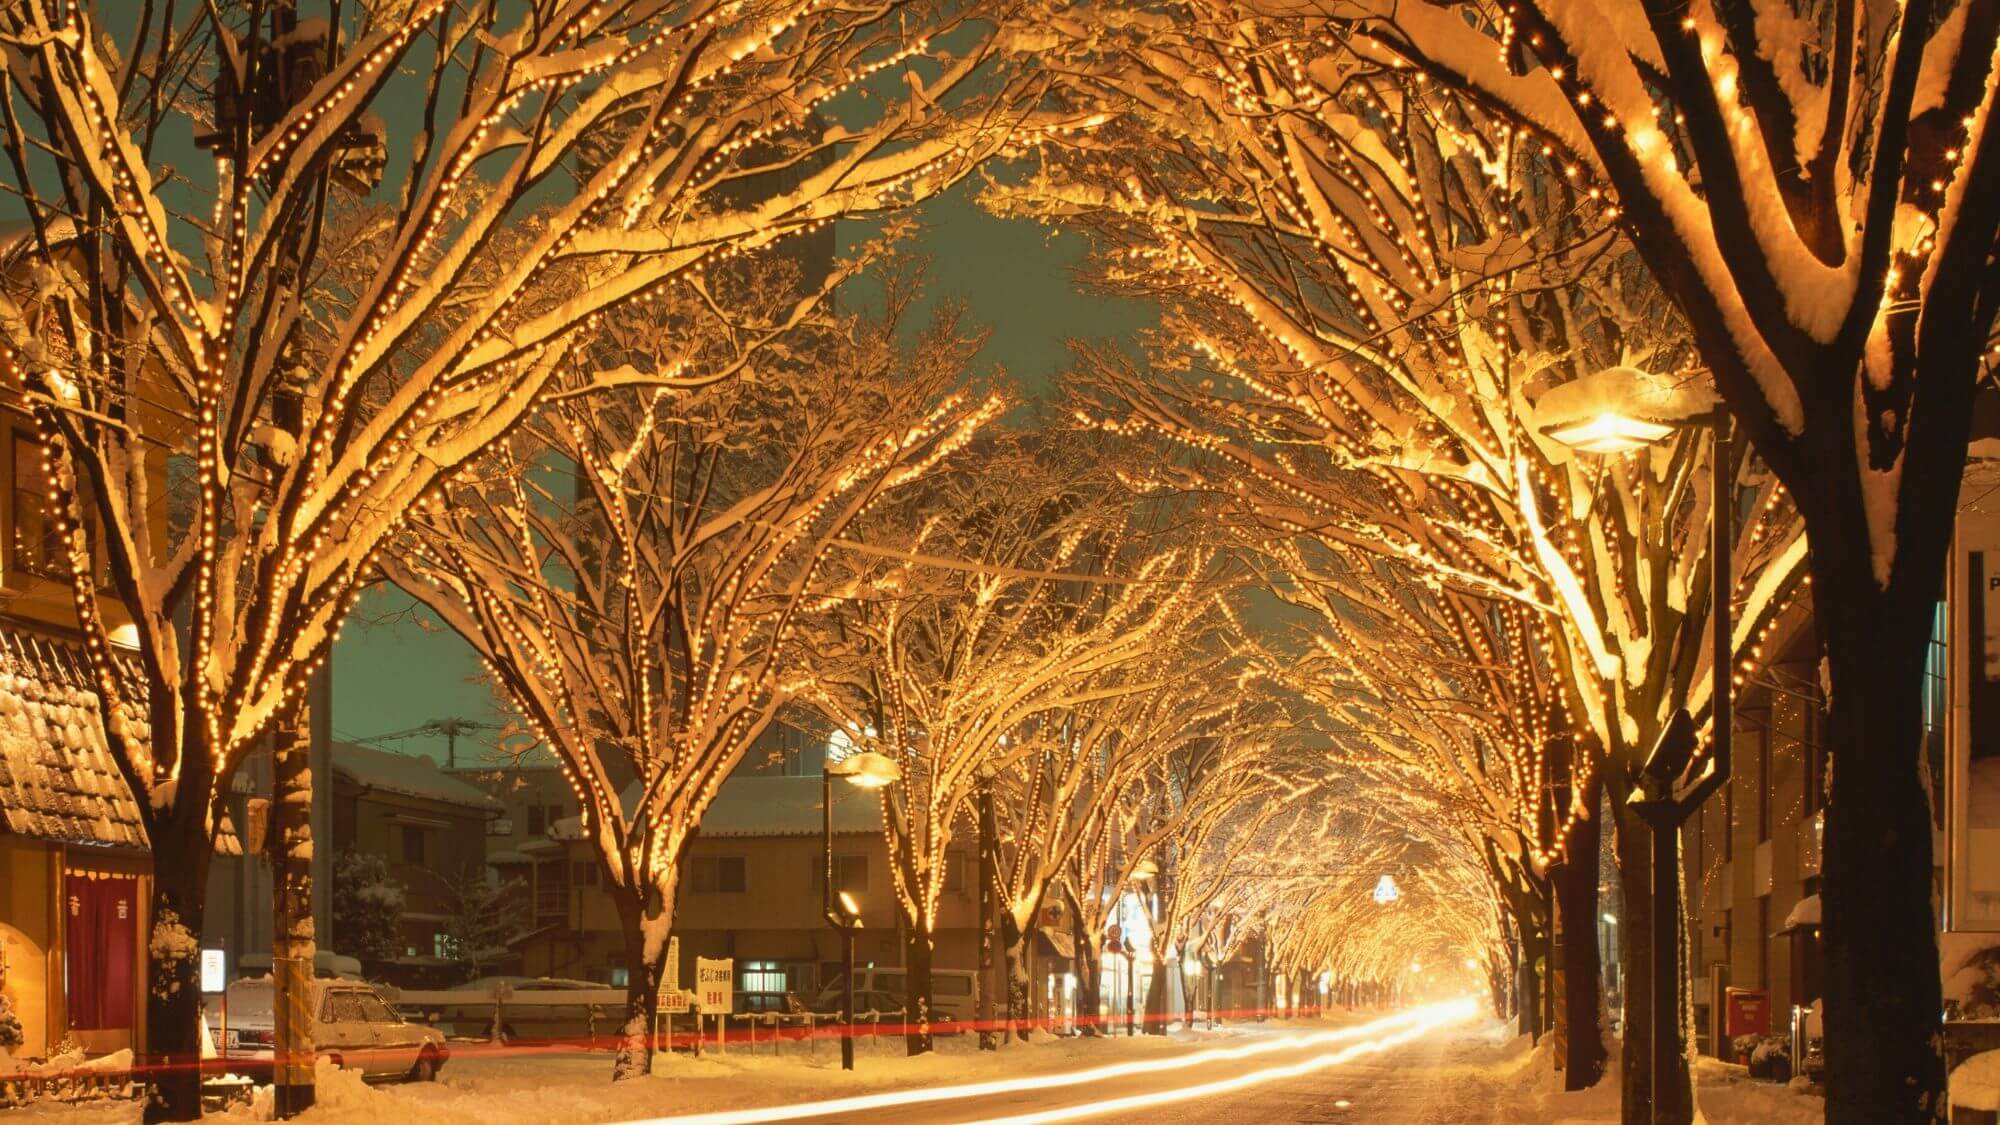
{"x":1524,"y":1085}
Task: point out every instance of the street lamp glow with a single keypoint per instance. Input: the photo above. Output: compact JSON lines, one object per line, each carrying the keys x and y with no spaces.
{"x":1472,"y":964}
{"x":1610,"y":432}
{"x":851,"y":907}
{"x":868,"y":769}
{"x":1145,"y":871}
{"x":1611,"y":919}
{"x":1385,"y":890}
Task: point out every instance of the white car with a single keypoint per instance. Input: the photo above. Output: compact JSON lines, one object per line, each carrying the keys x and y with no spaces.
{"x":355,"y":1028}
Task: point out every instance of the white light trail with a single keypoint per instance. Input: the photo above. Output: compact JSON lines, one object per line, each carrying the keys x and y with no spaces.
{"x":1412,"y":1023}
{"x":1434,"y":1017}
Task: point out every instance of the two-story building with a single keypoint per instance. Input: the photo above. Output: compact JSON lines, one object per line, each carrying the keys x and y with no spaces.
{"x":750,"y":888}
{"x":431,"y":827}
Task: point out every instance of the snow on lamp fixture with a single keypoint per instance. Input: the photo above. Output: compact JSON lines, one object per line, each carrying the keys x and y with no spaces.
{"x":1385,"y":889}
{"x":1610,"y":433}
{"x":868,"y":769}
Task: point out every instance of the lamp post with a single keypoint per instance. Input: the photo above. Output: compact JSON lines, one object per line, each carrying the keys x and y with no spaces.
{"x":866,"y":770}
{"x":1659,"y":799}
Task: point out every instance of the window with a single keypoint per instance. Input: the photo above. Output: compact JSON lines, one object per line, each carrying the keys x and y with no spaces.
{"x":536,"y":824}
{"x":761,"y":976}
{"x":344,"y":1007}
{"x":954,"y":871}
{"x":373,"y":1009}
{"x":619,"y":977}
{"x":718,"y":874}
{"x":441,"y":946}
{"x":413,"y":844}
{"x":946,"y":984}
{"x":34,"y":545}
{"x":850,"y":874}
{"x":583,"y":873}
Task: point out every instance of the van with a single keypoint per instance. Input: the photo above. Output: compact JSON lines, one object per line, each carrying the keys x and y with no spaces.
{"x":954,"y":992}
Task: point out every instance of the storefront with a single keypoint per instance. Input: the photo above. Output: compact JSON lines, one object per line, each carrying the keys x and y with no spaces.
{"x":74,"y":871}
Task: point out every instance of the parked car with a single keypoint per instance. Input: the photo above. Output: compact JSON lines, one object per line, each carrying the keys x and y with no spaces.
{"x":355,"y":1028}
{"x":886,"y":1006}
{"x":954,"y":995}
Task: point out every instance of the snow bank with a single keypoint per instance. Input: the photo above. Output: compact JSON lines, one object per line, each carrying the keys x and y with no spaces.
{"x":1975,"y":1084}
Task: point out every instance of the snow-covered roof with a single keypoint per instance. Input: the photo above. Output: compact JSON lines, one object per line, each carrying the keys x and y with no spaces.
{"x":57,"y":778}
{"x":408,"y":774}
{"x":787,"y":806}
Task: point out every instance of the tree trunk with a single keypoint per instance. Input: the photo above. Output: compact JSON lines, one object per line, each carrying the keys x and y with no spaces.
{"x":1881,"y":972}
{"x":1155,"y":1019}
{"x":1089,"y":979}
{"x":1020,"y":1017}
{"x":1634,"y":850}
{"x":989,"y":911}
{"x":181,"y":850}
{"x":917,"y":979}
{"x":642,"y":914}
{"x":1578,"y":965}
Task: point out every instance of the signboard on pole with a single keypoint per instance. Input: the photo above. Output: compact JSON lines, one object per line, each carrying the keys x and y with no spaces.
{"x":214,"y":975}
{"x":715,"y":983}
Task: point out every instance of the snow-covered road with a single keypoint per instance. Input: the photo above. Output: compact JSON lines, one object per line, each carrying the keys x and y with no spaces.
{"x":1438,"y":1067}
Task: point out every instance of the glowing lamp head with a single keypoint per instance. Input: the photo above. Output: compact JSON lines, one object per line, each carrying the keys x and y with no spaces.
{"x":867,"y":770}
{"x":1145,"y":871}
{"x":1610,"y":433}
{"x":848,"y":906}
{"x":1385,"y":890}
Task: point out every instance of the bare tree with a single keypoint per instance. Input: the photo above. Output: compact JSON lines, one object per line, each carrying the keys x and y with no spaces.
{"x":1381,"y":300}
{"x":640,"y":570}
{"x":237,"y":428}
{"x":1020,"y":596}
{"x":1816,"y":186}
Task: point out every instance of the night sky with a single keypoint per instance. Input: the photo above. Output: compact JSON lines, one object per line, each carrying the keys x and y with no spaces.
{"x":392,"y":673}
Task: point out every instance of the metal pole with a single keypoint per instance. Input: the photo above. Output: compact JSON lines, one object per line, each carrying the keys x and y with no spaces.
{"x":847,"y":1003}
{"x":1668,"y":814}
{"x":1666,"y":957}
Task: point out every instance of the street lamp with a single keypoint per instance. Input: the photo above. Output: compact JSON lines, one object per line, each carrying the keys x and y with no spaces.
{"x":1635,"y":408}
{"x":866,"y":770}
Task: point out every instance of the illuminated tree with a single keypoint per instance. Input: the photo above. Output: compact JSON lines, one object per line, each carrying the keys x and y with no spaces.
{"x":1090,"y":761}
{"x":1025,"y":592}
{"x":236,"y":429}
{"x":1816,"y":186}
{"x":1382,"y":302}
{"x":639,"y":570}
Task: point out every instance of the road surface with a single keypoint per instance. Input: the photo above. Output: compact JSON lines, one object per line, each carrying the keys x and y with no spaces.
{"x":1365,"y":1074}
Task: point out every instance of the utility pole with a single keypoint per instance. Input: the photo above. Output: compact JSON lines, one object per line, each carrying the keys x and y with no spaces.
{"x":293,"y":941}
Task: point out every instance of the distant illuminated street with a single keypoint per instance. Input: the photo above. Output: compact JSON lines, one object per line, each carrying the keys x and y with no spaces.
{"x":1207,"y":1079}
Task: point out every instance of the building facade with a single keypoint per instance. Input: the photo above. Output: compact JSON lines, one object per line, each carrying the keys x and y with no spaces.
{"x":431,"y":827}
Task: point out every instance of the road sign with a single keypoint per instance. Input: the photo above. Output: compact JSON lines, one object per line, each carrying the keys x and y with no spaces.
{"x":674,"y":1001}
{"x":715,"y":983}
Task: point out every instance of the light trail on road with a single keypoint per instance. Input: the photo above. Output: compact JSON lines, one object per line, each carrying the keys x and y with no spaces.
{"x":1438,"y":1016}
{"x":1386,"y":1032}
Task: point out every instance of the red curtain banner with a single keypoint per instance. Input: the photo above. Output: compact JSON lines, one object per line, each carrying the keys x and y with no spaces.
{"x":101,"y":946}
